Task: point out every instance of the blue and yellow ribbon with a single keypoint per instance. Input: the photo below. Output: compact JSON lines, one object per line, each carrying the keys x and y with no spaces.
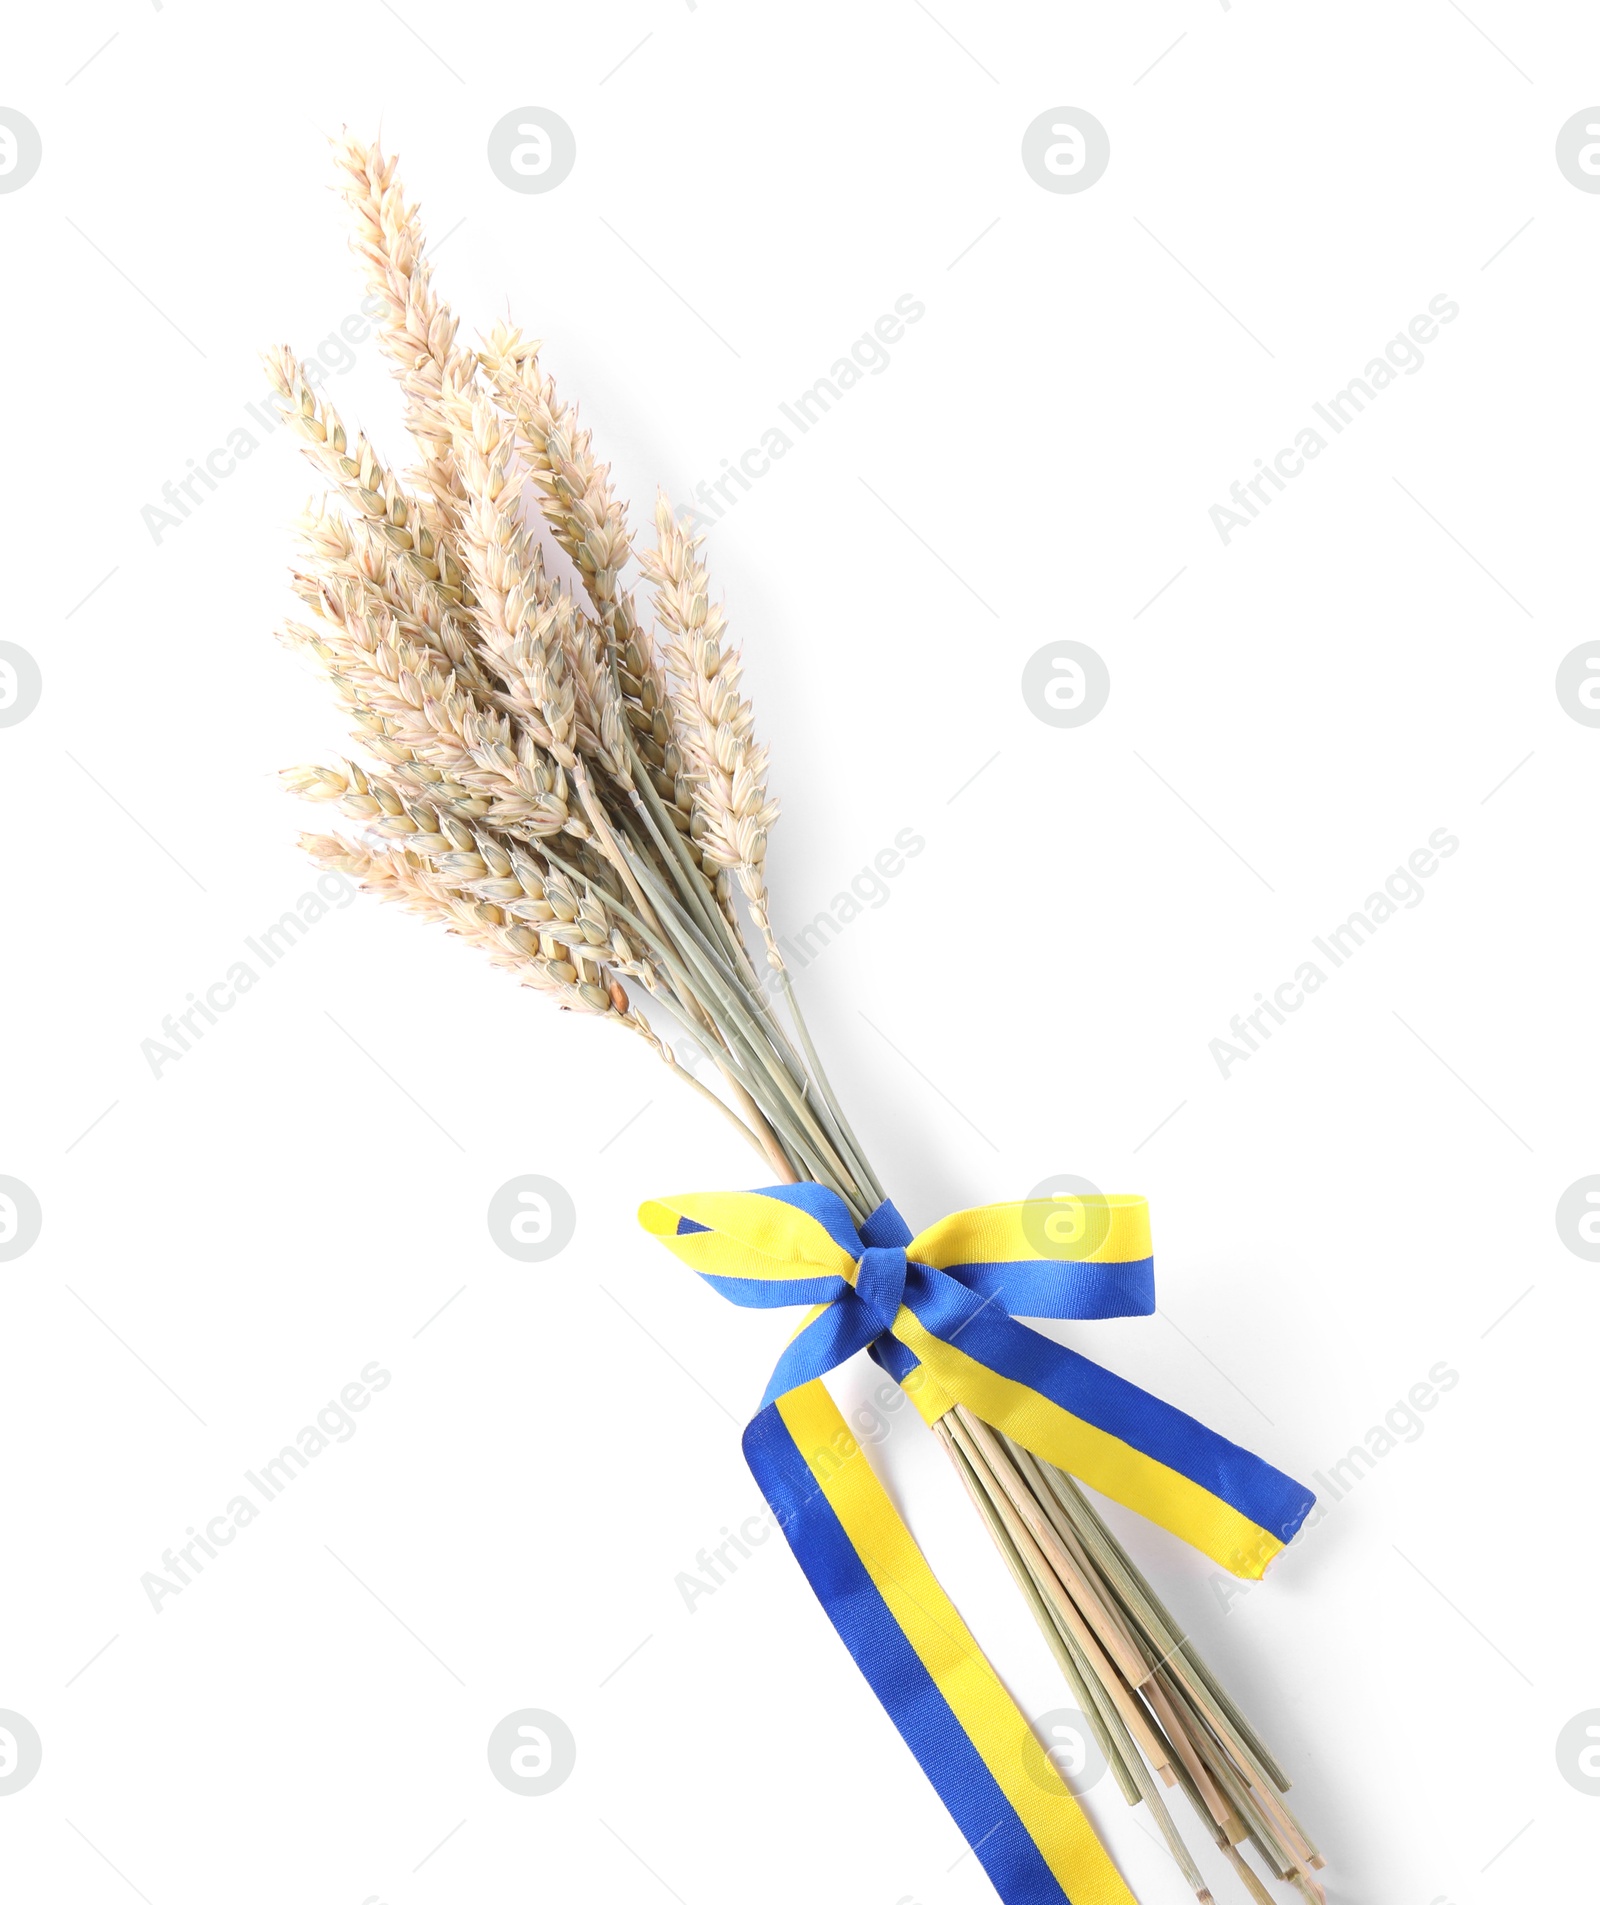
{"x":938,"y":1312}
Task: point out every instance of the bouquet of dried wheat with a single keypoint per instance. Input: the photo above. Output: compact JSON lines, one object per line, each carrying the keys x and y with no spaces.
{"x":572,"y":781}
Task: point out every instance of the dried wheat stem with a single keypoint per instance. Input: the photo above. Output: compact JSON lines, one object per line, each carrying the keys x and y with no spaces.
{"x":1175,"y":1648}
{"x":1204,"y":1756}
{"x":1199,"y":1761}
{"x":1108,"y":1630}
{"x":761,"y":1140}
{"x":608,"y":845}
{"x":1247,"y":1877}
{"x":1040,"y":1609}
{"x":1062,"y":1604}
{"x":744,"y":1021}
{"x":830,"y":1108}
{"x":1190,"y":1715}
{"x":658,"y":842}
{"x":743,"y":1062}
{"x":726,"y":771}
{"x":829,"y":1158}
{"x":668,"y":829}
{"x":1209,"y":1797}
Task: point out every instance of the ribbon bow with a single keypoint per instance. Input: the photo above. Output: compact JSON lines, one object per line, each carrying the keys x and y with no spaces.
{"x":939,"y":1312}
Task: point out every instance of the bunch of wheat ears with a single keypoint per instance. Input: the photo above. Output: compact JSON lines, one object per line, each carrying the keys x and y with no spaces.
{"x":582,"y":795}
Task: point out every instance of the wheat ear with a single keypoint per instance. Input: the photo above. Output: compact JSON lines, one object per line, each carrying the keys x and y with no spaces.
{"x":727,"y":767}
{"x":415,"y":327}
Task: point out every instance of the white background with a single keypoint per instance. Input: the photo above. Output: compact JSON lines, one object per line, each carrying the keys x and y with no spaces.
{"x":226,"y":1245}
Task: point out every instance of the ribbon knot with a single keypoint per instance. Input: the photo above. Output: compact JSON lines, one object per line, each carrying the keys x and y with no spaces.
{"x":881,"y":1284}
{"x":939,"y":1312}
